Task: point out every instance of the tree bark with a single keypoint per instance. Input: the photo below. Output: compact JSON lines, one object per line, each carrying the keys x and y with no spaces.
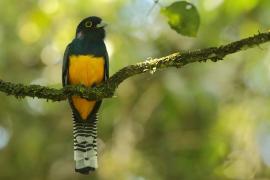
{"x":107,"y":89}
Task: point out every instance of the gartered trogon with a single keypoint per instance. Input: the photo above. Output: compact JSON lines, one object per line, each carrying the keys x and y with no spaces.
{"x":86,"y":63}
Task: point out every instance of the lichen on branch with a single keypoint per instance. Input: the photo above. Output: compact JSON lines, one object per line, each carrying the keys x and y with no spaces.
{"x":107,"y":89}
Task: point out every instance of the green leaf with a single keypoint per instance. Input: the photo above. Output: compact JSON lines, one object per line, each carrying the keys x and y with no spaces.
{"x":183,"y":17}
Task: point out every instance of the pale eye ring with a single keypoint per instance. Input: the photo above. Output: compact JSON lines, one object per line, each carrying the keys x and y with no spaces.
{"x":88,"y":24}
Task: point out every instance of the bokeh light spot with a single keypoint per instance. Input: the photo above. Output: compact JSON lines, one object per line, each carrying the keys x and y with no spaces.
{"x":49,"y":6}
{"x":29,"y":32}
{"x":4,"y":137}
{"x":50,"y":55}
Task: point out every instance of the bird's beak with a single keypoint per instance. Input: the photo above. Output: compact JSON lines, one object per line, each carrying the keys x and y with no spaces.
{"x":101,"y":25}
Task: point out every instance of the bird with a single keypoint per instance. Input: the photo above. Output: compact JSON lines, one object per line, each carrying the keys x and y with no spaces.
{"x":86,"y":63}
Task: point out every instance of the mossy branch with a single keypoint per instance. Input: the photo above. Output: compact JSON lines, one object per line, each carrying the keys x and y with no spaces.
{"x":107,"y":89}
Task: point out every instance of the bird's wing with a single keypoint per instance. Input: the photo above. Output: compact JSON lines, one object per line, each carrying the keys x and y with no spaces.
{"x":106,"y":59}
{"x":65,"y":66}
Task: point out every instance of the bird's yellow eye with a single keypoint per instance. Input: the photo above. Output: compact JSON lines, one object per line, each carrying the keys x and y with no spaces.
{"x":88,"y":24}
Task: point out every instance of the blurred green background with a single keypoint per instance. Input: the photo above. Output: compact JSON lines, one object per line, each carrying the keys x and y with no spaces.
{"x":204,"y":121}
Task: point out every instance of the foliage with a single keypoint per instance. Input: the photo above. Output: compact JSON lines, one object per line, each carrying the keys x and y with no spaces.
{"x":183,"y":17}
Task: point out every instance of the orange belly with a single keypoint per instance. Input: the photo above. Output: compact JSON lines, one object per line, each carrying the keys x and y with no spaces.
{"x":86,"y":70}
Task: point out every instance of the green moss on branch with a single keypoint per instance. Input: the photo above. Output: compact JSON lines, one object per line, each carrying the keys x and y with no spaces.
{"x":107,"y":89}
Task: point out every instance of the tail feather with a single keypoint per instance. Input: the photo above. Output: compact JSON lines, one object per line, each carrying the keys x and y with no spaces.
{"x":85,"y":145}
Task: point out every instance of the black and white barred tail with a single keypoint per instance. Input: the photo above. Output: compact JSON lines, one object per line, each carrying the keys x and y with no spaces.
{"x":85,"y":145}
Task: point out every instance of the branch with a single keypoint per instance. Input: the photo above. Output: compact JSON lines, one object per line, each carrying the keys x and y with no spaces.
{"x":107,"y":89}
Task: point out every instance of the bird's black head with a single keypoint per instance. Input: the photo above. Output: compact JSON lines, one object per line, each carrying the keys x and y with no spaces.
{"x":91,"y":28}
